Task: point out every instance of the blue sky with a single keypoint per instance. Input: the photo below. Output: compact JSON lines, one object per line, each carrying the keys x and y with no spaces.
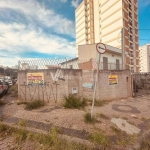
{"x":46,"y":28}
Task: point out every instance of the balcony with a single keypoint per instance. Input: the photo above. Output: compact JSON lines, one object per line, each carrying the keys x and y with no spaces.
{"x":131,"y":63}
{"x":130,"y":31}
{"x":130,"y":7}
{"x":131,"y":38}
{"x":131,"y":55}
{"x":130,"y":23}
{"x":130,"y":15}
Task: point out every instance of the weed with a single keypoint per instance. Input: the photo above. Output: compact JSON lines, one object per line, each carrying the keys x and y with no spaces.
{"x":72,"y":101}
{"x":100,"y":138}
{"x":12,"y":89}
{"x":48,"y":141}
{"x":125,"y":118}
{"x":20,"y":103}
{"x":116,"y":116}
{"x":20,"y":135}
{"x":126,"y":140}
{"x":1,"y":103}
{"x":34,"y":104}
{"x":148,"y":126}
{"x":101,"y":103}
{"x":15,"y":94}
{"x":143,"y":119}
{"x":88,"y":119}
{"x":145,"y":143}
{"x":1,"y":118}
{"x":115,"y":129}
{"x":130,"y":122}
{"x":22,"y":123}
{"x":3,"y":127}
{"x":104,"y":116}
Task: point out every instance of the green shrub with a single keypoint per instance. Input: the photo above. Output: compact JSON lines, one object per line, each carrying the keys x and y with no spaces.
{"x":88,"y":119}
{"x":73,"y":101}
{"x":34,"y":104}
{"x":100,"y":138}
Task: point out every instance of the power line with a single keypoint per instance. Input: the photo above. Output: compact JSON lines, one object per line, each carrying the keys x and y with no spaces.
{"x":145,"y":39}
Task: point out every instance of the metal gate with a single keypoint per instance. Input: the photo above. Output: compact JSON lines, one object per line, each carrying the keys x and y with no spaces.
{"x":141,"y":84}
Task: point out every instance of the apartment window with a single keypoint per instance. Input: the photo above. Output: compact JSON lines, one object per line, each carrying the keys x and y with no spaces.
{"x":130,"y":30}
{"x":130,"y":7}
{"x":105,"y":63}
{"x":131,"y":38}
{"x":130,"y":22}
{"x":117,"y":64}
{"x":130,"y":14}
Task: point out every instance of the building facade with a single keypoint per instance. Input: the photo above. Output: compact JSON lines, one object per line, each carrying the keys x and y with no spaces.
{"x":110,"y":60}
{"x":144,"y":54}
{"x":112,"y":22}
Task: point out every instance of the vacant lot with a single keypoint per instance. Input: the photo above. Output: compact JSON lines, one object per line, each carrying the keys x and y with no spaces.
{"x":76,"y":123}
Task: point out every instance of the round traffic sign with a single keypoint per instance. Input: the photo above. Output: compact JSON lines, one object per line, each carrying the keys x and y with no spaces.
{"x":101,"y":48}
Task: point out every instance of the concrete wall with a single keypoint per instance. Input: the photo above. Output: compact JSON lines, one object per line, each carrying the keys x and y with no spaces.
{"x":104,"y":90}
{"x":68,"y":79}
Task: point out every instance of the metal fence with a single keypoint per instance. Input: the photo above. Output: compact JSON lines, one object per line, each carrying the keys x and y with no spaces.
{"x":141,"y":84}
{"x":66,"y":63}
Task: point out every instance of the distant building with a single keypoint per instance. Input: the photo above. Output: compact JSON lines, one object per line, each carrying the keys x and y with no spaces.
{"x":15,"y":67}
{"x":70,"y":64}
{"x":25,"y":66}
{"x":34,"y":67}
{"x":144,"y":53}
{"x":52,"y":67}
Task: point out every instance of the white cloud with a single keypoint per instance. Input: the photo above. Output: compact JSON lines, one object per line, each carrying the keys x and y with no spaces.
{"x":47,"y":17}
{"x":75,"y":3}
{"x":36,"y":41}
{"x":18,"y":38}
{"x":9,"y":62}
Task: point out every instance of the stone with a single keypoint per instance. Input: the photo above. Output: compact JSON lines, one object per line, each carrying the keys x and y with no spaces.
{"x":125,"y":126}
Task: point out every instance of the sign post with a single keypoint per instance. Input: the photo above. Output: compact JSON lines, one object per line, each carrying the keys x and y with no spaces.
{"x":101,"y":48}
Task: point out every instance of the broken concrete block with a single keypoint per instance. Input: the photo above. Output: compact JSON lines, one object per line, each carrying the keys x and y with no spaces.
{"x":125,"y":126}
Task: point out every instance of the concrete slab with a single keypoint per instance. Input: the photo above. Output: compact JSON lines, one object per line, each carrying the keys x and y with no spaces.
{"x":125,"y":126}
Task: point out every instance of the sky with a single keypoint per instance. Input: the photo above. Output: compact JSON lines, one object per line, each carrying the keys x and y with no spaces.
{"x":46,"y":29}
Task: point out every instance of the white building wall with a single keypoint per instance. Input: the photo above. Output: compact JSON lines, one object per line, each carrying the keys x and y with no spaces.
{"x":96,"y":21}
{"x":144,"y":53}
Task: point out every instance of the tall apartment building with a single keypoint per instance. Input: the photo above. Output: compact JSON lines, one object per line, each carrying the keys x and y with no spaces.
{"x":144,"y":54}
{"x":112,"y":22}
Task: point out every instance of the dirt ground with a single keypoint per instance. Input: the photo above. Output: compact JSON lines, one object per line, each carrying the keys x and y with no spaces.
{"x":135,"y":111}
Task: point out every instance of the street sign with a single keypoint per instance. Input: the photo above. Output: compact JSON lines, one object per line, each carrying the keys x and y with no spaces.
{"x":101,"y":48}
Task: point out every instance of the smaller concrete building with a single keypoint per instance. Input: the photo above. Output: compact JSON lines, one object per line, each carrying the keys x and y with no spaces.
{"x":144,"y":54}
{"x":88,"y":57}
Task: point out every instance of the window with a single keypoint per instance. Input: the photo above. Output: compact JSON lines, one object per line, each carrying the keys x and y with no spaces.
{"x":105,"y":63}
